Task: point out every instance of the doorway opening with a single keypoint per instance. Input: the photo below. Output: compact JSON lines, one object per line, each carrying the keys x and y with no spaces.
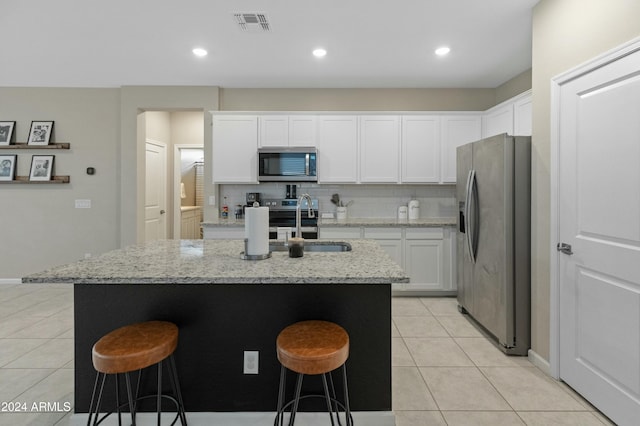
{"x":178,"y":130}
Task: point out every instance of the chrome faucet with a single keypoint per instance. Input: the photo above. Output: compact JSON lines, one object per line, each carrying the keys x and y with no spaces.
{"x":299,"y":215}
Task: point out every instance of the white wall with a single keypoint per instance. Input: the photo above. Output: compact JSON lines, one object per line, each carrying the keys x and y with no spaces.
{"x":39,"y":224}
{"x":566,"y":33}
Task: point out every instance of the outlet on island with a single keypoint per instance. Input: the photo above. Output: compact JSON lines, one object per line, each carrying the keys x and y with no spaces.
{"x":251,"y":362}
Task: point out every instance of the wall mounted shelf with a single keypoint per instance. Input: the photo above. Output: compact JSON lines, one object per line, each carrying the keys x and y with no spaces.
{"x":24,"y":145}
{"x":25,"y":179}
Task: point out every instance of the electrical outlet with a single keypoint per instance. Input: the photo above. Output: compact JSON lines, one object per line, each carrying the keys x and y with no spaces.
{"x":83,"y":204}
{"x":251,"y":362}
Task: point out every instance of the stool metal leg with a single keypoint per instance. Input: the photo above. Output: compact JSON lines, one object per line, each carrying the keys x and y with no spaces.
{"x":335,"y":398}
{"x":328,"y":399}
{"x":349,"y":420}
{"x":93,"y":398}
{"x":97,"y":413}
{"x":130,"y":398}
{"x":296,"y":401}
{"x":118,"y":400}
{"x":280,"y":413}
{"x":175,"y":385}
{"x":159,"y":397}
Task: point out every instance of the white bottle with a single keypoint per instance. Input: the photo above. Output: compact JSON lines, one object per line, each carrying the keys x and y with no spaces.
{"x":414,"y":209}
{"x":402,"y":213}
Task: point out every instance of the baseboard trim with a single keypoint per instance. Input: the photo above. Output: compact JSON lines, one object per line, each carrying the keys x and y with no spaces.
{"x":10,"y":281}
{"x":369,"y":418}
{"x":539,"y":362}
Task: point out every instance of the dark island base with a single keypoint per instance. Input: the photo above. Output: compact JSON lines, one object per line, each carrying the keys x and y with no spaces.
{"x":218,"y":322}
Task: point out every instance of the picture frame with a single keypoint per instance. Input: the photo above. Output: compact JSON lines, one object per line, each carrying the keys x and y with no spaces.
{"x":6,"y":132}
{"x":41,"y":167}
{"x":8,"y":165}
{"x":40,"y":133}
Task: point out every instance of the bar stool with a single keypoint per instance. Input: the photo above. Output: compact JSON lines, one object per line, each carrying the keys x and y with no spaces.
{"x":134,"y":347}
{"x":313,"y":348}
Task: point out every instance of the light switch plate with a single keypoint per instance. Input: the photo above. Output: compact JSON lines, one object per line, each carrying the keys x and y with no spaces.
{"x":83,"y":204}
{"x":212,"y":200}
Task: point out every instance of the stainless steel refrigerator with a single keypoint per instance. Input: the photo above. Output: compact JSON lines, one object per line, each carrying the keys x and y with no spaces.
{"x":494,"y":237}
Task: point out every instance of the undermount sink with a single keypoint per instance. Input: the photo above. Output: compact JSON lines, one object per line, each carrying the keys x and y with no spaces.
{"x":316,"y":246}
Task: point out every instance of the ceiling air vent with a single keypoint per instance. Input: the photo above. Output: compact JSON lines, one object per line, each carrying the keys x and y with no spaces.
{"x":252,"y":22}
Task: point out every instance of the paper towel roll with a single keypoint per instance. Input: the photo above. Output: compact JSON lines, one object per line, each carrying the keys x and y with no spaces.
{"x":256,"y":230}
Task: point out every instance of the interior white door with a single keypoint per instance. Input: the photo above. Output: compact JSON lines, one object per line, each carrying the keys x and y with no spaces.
{"x":599,"y":217}
{"x":155,"y":225}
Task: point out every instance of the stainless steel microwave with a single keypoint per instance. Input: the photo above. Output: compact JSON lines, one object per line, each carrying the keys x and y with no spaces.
{"x":287,"y":164}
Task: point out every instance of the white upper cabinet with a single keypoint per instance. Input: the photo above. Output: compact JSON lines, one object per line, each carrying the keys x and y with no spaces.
{"x":235,"y":149}
{"x":420,"y":149}
{"x":456,"y":130}
{"x":274,"y":130}
{"x":302,"y":130}
{"x":498,"y":120}
{"x":522,"y":117}
{"x":513,"y":117}
{"x":337,"y":148}
{"x":287,"y":130}
{"x":380,"y":149}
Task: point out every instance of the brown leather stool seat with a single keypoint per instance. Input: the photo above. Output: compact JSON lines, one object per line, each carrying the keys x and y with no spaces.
{"x":313,"y":348}
{"x":135,"y":347}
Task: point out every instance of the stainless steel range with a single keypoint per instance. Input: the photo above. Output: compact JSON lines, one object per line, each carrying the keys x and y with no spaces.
{"x":282,"y":214}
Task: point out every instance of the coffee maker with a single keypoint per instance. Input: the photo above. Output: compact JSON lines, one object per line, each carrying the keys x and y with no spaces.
{"x":253,"y":197}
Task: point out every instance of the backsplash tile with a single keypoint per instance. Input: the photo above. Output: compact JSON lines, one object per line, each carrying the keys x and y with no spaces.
{"x":369,"y":201}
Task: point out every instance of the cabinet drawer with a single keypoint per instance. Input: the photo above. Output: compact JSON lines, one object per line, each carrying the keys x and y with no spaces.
{"x":424,"y":233}
{"x":223,"y":233}
{"x":383,"y":233}
{"x":340,"y":233}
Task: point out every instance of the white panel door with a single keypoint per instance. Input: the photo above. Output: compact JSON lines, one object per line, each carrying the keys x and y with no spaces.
{"x":599,"y":216}
{"x":380,"y":149}
{"x":338,"y":149}
{"x":420,"y":149}
{"x":155,"y":208}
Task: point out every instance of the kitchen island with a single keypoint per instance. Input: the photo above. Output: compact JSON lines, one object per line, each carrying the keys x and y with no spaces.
{"x":224,"y":306}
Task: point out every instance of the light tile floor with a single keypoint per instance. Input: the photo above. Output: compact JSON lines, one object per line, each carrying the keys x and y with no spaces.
{"x":445,"y":372}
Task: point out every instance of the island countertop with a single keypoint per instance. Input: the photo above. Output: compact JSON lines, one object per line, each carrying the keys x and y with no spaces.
{"x":218,"y":262}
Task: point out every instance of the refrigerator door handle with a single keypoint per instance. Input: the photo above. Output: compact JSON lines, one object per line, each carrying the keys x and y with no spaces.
{"x":471,"y":207}
{"x":467,"y":202}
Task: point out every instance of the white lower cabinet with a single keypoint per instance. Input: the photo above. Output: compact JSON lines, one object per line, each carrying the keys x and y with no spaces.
{"x":223,"y":232}
{"x":190,"y":224}
{"x":426,"y":254}
{"x":340,"y":232}
{"x":424,"y":259}
{"x":390,"y":239}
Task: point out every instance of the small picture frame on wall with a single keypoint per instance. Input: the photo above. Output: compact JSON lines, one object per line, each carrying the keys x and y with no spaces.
{"x":41,"y":167}
{"x":40,"y":133}
{"x":8,"y":167}
{"x":6,"y":132}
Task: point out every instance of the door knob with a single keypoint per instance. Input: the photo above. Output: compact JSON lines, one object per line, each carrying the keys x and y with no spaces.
{"x":564,"y":248}
{"x":162,"y":212}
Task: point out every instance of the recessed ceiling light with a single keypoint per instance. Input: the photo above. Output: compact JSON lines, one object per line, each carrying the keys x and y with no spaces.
{"x":199,"y":52}
{"x":319,"y":53}
{"x":441,"y":51}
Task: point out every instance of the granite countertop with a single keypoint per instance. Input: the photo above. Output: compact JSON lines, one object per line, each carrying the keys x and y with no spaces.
{"x":356,"y":221}
{"x":218,"y":262}
{"x":390,"y":222}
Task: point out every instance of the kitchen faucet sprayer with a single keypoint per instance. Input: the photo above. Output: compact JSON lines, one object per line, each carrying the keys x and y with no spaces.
{"x":299,"y":215}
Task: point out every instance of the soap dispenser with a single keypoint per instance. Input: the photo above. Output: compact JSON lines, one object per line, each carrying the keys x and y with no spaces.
{"x":414,"y":209}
